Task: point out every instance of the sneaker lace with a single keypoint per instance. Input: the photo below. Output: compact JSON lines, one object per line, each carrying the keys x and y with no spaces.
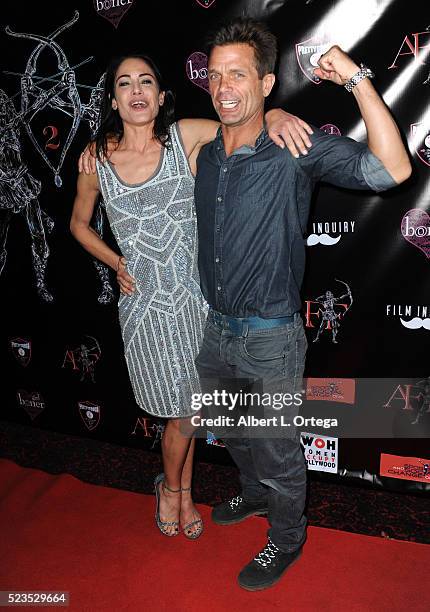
{"x":235,"y":501}
{"x":266,"y":556}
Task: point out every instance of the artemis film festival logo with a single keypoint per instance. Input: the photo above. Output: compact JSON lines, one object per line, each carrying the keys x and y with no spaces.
{"x":83,"y":358}
{"x":112,"y":10}
{"x":329,"y":309}
{"x":150,"y":428}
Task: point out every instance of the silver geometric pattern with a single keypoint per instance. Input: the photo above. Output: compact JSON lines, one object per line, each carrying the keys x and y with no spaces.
{"x":162,"y":323}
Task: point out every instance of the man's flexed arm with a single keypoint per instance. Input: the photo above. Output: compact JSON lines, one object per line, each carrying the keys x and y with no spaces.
{"x":383,"y":137}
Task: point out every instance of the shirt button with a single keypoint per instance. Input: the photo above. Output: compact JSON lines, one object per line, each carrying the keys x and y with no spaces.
{"x":219,"y":198}
{"x":224,"y":169}
{"x":219,"y":287}
{"x":130,"y":242}
{"x":216,"y":259}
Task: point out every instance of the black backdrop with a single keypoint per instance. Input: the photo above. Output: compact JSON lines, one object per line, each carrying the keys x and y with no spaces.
{"x":63,"y":364}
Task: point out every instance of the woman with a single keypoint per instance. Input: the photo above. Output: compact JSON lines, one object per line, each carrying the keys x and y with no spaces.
{"x":147,"y":186}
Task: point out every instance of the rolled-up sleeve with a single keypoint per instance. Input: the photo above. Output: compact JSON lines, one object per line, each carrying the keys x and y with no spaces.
{"x":375,"y":174}
{"x":344,"y":162}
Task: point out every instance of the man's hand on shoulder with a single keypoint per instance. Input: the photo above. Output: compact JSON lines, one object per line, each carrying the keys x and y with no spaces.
{"x":87,"y":159}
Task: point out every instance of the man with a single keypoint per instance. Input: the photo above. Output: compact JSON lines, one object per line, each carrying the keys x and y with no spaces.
{"x":252,"y":202}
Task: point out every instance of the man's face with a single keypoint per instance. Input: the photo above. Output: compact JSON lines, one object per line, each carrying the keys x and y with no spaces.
{"x":237,"y":91}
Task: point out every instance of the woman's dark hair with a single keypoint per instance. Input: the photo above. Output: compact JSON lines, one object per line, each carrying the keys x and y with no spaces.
{"x":110,"y":123}
{"x":250,"y":32}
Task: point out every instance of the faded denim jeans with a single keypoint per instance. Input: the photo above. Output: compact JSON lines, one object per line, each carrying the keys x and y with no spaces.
{"x":270,"y":459}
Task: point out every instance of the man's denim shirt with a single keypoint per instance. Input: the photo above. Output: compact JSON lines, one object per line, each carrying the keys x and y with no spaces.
{"x":252,"y":213}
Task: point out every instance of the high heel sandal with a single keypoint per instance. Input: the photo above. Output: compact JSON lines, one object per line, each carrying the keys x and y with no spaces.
{"x":196,"y":534}
{"x":163,"y":524}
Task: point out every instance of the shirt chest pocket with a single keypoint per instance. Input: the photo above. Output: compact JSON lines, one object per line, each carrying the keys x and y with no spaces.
{"x":257,"y":182}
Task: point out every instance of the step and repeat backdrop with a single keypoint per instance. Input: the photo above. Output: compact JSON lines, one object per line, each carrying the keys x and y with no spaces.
{"x":368,"y":254}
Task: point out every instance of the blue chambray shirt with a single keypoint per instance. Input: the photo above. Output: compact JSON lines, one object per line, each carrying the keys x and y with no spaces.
{"x":252,"y":212}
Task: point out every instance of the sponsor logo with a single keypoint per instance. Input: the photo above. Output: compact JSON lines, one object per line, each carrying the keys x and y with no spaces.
{"x":21,"y":350}
{"x":197,"y":70}
{"x":331,"y":389}
{"x":420,"y":134}
{"x":321,"y":452}
{"x":90,"y":414}
{"x":329,"y":310}
{"x":412,"y":45}
{"x":412,"y":397}
{"x":151,"y":429}
{"x":112,"y":10}
{"x":212,"y":440}
{"x":329,"y":233}
{"x":83,"y":358}
{"x":420,"y":315}
{"x":405,"y":468}
{"x":205,"y":3}
{"x":32,"y":402}
{"x":331,"y":129}
{"x":415,"y":229}
{"x":308,"y":53}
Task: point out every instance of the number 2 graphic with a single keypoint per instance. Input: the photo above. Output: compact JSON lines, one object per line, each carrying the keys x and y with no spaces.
{"x":53,"y":134}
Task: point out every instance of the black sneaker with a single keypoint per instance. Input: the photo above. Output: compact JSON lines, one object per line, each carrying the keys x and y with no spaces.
{"x":236,"y":510}
{"x":267,"y":567}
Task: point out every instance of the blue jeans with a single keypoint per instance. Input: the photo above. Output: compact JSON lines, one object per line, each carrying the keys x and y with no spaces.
{"x":272,"y":469}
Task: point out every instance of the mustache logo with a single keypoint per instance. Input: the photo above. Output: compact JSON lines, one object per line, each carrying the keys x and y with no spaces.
{"x":324,"y":239}
{"x":417,"y":323}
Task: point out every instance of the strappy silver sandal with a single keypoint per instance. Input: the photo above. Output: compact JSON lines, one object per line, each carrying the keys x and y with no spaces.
{"x":196,"y":534}
{"x":163,"y":524}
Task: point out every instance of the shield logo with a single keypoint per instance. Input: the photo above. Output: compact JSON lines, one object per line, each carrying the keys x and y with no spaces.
{"x":90,"y":414}
{"x":32,"y":402}
{"x":205,"y":3}
{"x":308,"y":53}
{"x":420,"y":135}
{"x":21,"y":350}
{"x":330,"y":128}
{"x":111,"y":10}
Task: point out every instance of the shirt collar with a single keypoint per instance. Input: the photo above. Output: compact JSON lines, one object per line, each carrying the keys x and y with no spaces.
{"x":244,"y":149}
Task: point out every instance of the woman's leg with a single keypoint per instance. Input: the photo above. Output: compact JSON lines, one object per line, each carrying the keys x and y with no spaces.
{"x":174,"y":447}
{"x":178,"y":450}
{"x":189,"y":513}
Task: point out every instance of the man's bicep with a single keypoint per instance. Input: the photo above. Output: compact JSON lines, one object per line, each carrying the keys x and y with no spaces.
{"x":343,"y":162}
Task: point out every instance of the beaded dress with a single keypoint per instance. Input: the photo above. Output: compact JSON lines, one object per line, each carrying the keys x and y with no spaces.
{"x":162,"y":323}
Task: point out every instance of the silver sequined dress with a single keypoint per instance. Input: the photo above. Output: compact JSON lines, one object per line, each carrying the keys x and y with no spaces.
{"x":162,"y":324}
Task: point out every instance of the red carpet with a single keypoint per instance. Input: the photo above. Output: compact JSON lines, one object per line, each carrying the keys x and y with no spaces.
{"x":102,"y":546}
